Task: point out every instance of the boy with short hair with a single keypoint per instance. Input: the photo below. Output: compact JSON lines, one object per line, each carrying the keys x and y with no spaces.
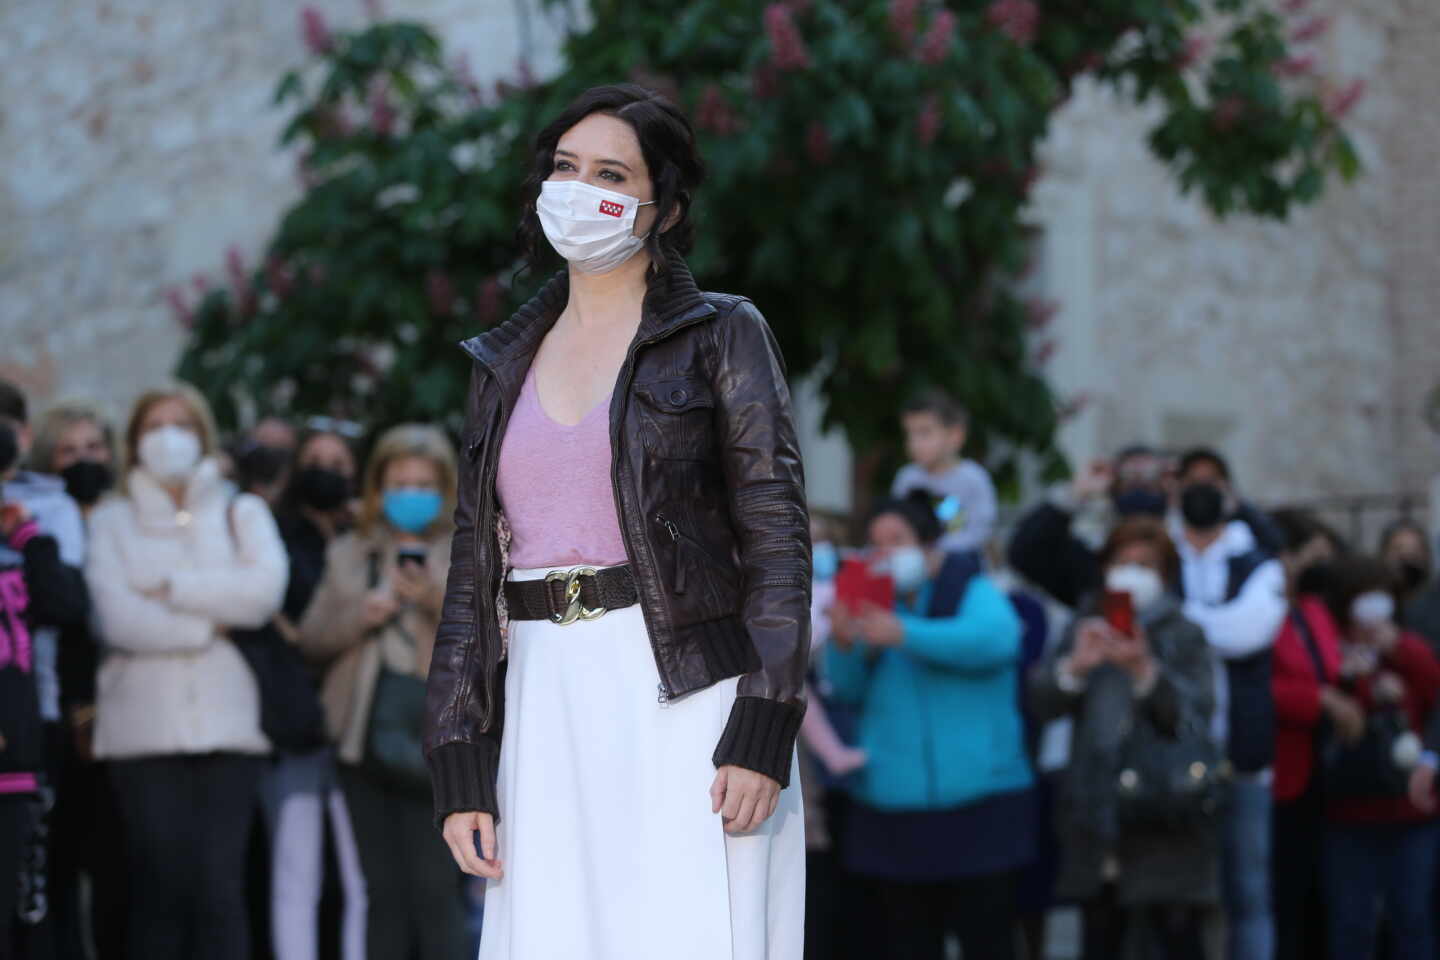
{"x":935,"y":432}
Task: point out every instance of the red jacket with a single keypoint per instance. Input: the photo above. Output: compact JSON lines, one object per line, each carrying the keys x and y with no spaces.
{"x":1297,"y":694}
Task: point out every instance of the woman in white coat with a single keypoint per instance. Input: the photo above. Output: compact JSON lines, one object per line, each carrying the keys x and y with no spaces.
{"x":176,"y":560}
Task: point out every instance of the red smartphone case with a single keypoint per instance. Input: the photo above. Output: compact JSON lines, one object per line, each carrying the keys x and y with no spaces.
{"x":1118,"y":608}
{"x":856,"y":585}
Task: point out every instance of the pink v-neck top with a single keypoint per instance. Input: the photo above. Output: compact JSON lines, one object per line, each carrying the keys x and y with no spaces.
{"x":554,"y":485}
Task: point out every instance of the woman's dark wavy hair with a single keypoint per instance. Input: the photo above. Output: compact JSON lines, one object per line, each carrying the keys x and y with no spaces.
{"x":667,"y":141}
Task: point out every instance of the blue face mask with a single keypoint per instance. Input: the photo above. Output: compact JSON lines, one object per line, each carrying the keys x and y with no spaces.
{"x":825,"y":561}
{"x":412,"y":509}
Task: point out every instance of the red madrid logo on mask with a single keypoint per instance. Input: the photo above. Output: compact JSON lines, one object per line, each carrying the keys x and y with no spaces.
{"x":611,"y":209}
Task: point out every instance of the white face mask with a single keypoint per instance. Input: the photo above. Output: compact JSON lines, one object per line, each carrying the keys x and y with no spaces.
{"x":592,"y":228}
{"x":1373,"y":608}
{"x":170,"y":453}
{"x":906,"y":567}
{"x":1142,"y":583}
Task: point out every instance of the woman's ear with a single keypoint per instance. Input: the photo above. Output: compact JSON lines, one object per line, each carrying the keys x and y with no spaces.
{"x":682,"y":203}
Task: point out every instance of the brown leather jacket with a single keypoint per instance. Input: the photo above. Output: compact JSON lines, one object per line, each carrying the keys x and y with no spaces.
{"x":710,"y":492}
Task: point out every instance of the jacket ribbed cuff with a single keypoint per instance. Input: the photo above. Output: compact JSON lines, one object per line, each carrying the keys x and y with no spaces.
{"x":760,"y":736}
{"x":463,"y":777}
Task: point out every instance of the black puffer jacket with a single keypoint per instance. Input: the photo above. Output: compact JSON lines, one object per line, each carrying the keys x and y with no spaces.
{"x":710,"y":494}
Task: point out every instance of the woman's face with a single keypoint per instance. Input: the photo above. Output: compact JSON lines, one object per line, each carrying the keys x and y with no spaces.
{"x":1404,"y":545}
{"x":410,"y":473}
{"x":325,"y":451}
{"x":169,"y":412}
{"x":889,"y":532}
{"x":81,"y":440}
{"x":604,"y":152}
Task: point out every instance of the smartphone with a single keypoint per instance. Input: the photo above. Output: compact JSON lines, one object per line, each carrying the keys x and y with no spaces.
{"x":1118,"y":609}
{"x":410,"y":554}
{"x":856,"y":586}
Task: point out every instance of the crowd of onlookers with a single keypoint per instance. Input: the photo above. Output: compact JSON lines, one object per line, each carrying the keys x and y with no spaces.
{"x":1210,"y":727}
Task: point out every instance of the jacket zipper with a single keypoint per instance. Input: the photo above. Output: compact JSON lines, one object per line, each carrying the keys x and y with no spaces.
{"x":680,"y":537}
{"x":627,"y":376}
{"x":485,"y":523}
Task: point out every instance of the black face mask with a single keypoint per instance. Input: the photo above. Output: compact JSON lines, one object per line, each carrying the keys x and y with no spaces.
{"x":86,"y":480}
{"x":1139,"y":502}
{"x":1413,"y":575}
{"x":1315,"y":580}
{"x":1203,"y":506}
{"x":322,"y":489}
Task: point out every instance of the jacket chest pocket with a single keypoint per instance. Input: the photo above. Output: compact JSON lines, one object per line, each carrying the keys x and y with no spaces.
{"x":678,"y":418}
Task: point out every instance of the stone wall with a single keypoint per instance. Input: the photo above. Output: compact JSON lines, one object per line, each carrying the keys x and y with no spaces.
{"x":1303,"y":349}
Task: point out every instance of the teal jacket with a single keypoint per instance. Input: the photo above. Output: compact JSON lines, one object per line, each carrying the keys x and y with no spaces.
{"x":938,"y":714}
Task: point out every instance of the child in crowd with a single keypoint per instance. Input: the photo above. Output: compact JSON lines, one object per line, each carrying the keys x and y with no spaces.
{"x":816,"y":730}
{"x":935,"y":432}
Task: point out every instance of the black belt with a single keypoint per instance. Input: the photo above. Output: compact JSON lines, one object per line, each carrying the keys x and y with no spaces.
{"x":565,"y":596}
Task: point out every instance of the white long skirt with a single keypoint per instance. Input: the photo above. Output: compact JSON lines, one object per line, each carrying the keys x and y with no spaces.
{"x":609,"y":846}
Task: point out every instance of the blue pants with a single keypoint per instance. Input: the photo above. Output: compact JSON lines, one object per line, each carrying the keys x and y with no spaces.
{"x":1368,"y":866}
{"x":1245,"y":873}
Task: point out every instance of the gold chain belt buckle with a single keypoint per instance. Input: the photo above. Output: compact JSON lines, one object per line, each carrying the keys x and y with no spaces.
{"x":574,"y":609}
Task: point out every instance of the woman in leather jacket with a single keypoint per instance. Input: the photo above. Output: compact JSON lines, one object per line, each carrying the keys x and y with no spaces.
{"x":619,"y":667}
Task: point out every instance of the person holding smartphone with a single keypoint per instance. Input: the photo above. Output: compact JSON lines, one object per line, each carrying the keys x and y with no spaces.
{"x":943,"y":814}
{"x":372,"y":624}
{"x":1130,"y":662}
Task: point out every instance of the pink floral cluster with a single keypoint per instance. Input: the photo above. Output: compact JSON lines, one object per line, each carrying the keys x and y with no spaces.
{"x":1017,"y":19}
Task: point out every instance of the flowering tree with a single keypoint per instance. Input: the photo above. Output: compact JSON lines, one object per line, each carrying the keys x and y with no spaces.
{"x":869,"y":166}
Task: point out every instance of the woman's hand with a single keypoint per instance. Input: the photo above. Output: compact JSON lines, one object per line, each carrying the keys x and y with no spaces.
{"x":1389,"y":688}
{"x":880,"y":627}
{"x":414,"y":585}
{"x":1092,"y":647}
{"x":1346,"y":714}
{"x":379,"y":606}
{"x":1422,"y":788}
{"x":459,"y":831}
{"x":1132,"y":654}
{"x":844,"y":628}
{"x":743,"y":798}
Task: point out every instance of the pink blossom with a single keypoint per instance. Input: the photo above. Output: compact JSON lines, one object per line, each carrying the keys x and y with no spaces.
{"x":440,"y":291}
{"x":787,"y":47}
{"x":927,"y":123}
{"x":1039,"y":313}
{"x":489,"y":297}
{"x":765,"y":81}
{"x":235,"y":266}
{"x":715,"y":113}
{"x":936,"y":45}
{"x":1044,"y":352}
{"x":201,"y":283}
{"x":1017,"y":19}
{"x":1339,"y":102}
{"x":1295,"y":66}
{"x":317,"y":35}
{"x":904,"y":19}
{"x":1197,"y":47}
{"x":1311,"y":29}
{"x":279,"y":278}
{"x":1227,"y":112}
{"x":382,"y":112}
{"x":184,"y":316}
{"x":817,"y":143}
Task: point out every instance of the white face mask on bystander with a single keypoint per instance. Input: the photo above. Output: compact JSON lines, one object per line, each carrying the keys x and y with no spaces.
{"x":170,"y":453}
{"x":1141,"y":582}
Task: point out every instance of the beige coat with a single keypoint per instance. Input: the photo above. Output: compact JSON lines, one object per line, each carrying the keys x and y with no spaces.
{"x":166,"y":584}
{"x":333,"y":632}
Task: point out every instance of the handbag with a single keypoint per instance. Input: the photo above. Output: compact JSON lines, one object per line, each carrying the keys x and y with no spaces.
{"x":290,"y":713}
{"x":393,"y":746}
{"x":1171,"y":782}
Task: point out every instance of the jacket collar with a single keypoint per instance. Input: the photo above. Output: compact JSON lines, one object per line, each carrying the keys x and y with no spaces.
{"x":670,"y":300}
{"x":154,"y":506}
